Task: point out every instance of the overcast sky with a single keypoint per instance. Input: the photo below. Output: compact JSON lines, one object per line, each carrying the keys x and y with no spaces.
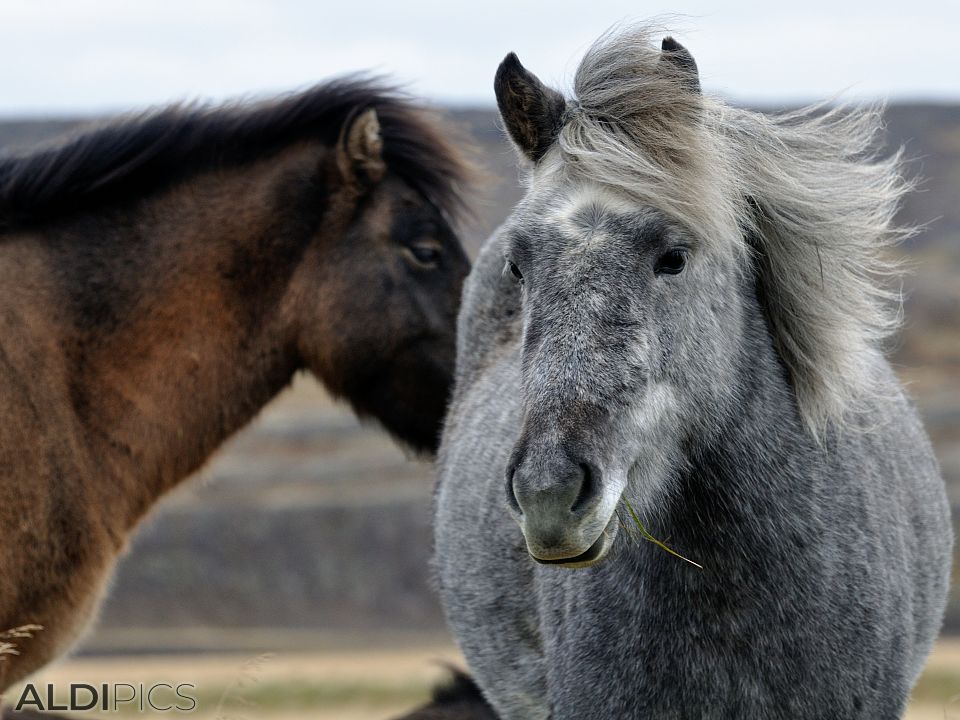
{"x":93,"y":56}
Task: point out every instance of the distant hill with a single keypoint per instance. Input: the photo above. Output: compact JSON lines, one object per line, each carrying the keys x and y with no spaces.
{"x":308,"y":521}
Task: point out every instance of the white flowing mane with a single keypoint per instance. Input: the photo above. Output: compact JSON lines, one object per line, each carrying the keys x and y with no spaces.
{"x":804,"y":193}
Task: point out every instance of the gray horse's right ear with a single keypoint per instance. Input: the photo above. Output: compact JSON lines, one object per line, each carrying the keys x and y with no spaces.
{"x":678,"y":59}
{"x":532,"y":112}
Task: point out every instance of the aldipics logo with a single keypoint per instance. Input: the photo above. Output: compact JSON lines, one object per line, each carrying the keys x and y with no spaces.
{"x":109,"y":697}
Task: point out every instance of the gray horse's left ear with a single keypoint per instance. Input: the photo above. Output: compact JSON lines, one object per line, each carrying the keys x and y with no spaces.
{"x":532,"y":112}
{"x":675,"y":56}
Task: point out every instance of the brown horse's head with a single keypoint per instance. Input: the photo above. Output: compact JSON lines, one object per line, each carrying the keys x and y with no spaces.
{"x":312,"y":231}
{"x":380,"y":321}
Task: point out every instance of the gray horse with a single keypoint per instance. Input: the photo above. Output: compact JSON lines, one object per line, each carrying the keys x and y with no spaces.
{"x":686,"y":313}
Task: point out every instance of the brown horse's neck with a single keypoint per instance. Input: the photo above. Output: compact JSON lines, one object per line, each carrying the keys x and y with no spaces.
{"x":179,"y":317}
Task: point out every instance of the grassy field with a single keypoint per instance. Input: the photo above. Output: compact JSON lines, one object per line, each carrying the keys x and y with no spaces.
{"x":366,"y":684}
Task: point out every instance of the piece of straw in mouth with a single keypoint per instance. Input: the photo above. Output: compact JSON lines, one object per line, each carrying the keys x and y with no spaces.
{"x":647,"y":536}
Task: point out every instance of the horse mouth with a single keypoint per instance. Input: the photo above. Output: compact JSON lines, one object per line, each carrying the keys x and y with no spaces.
{"x":591,"y":556}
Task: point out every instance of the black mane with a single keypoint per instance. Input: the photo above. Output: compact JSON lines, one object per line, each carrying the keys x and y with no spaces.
{"x":139,"y":153}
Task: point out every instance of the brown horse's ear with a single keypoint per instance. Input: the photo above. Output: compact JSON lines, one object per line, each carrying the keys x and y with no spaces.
{"x":532,"y":112}
{"x":360,"y":150}
{"x":678,"y":61}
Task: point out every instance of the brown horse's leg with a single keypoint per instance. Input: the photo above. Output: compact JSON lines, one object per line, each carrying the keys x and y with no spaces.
{"x":458,"y":699}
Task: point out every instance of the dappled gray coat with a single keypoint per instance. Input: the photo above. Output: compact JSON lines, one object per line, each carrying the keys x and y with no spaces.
{"x":684,"y":314}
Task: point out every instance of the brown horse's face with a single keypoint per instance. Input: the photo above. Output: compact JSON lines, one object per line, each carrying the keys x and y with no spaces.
{"x":381,"y":290}
{"x":393,"y":298}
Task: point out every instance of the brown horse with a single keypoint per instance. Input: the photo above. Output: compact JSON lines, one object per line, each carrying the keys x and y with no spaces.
{"x":162,"y":277}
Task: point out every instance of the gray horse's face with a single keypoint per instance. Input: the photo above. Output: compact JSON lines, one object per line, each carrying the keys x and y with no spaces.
{"x":628,"y":325}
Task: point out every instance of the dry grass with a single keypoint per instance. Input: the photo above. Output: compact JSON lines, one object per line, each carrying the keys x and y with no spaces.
{"x":342,"y":684}
{"x":7,"y":637}
{"x":368,"y":684}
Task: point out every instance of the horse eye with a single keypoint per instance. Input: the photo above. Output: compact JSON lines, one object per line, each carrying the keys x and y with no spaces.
{"x":671,"y":262}
{"x":516,"y":271}
{"x":425,"y":254}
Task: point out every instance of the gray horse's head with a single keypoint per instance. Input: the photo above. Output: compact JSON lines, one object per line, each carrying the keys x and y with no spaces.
{"x":616,"y":296}
{"x":649,"y":252}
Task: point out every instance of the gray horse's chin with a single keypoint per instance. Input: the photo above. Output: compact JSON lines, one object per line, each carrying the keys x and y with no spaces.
{"x":593,"y":554}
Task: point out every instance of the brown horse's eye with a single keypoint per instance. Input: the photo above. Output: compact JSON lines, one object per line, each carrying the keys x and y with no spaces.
{"x":671,"y":262}
{"x":425,"y":254}
{"x":516,"y":271}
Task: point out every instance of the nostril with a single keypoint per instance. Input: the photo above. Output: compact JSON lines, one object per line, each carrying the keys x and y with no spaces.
{"x":512,"y":500}
{"x":587,"y":482}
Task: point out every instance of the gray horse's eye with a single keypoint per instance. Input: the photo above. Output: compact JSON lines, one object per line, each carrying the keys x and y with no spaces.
{"x":515,"y":271}
{"x":671,"y":262}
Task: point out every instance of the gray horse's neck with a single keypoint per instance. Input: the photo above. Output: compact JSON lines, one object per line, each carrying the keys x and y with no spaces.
{"x":758,"y":475}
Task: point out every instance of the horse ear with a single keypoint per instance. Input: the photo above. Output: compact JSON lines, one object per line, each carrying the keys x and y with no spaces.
{"x":532,"y":112}
{"x":678,"y":59}
{"x":360,"y":150}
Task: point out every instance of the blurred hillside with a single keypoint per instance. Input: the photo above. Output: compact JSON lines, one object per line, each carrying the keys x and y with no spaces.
{"x":311,"y":529}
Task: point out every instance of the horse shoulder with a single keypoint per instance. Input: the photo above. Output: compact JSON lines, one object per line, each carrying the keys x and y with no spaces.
{"x":910,"y":511}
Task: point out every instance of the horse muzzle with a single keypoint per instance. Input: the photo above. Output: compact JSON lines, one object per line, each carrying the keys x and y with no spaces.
{"x":562,"y":506}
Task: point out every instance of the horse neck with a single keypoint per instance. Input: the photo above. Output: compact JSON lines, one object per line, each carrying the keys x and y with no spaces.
{"x":755,"y":481}
{"x":181,"y":324}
